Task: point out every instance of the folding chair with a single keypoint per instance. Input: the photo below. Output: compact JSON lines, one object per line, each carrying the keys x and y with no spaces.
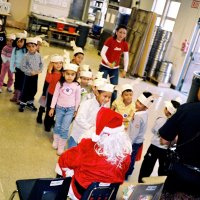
{"x":101,"y":191}
{"x":42,"y":189}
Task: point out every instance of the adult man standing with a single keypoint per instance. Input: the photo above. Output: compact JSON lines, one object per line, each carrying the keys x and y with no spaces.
{"x":184,"y":177}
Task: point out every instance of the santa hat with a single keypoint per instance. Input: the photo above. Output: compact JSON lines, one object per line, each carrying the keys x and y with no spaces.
{"x":107,"y":87}
{"x":32,"y":40}
{"x":70,"y":66}
{"x":107,"y":121}
{"x":147,"y":101}
{"x":170,"y":107}
{"x":75,"y":48}
{"x":56,"y":58}
{"x":21,"y":35}
{"x":11,"y":36}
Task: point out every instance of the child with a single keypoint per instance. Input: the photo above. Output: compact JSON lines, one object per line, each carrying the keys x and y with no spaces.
{"x":31,"y":66}
{"x":137,"y":126}
{"x":2,"y":39}
{"x":66,"y":99}
{"x":124,"y":105}
{"x":85,"y":78}
{"x":6,"y":55}
{"x":156,"y":151}
{"x":18,"y":53}
{"x":111,"y":53}
{"x":54,"y":74}
{"x":86,"y":116}
{"x":78,"y":54}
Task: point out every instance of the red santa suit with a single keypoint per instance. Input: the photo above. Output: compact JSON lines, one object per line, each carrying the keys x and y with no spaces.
{"x":88,"y":165}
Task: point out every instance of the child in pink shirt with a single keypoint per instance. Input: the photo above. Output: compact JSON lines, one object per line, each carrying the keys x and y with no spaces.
{"x":66,"y":99}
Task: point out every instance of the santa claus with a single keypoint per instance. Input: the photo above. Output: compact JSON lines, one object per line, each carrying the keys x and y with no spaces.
{"x":103,"y":156}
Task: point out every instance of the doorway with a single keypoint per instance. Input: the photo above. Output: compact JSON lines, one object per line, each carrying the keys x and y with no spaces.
{"x":191,"y":63}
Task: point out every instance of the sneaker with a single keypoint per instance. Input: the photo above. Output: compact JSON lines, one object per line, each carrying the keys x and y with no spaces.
{"x":31,"y":107}
{"x":0,"y":90}
{"x":21,"y":107}
{"x":9,"y":90}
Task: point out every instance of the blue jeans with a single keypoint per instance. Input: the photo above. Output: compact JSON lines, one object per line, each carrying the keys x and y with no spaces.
{"x":71,"y":142}
{"x":113,"y":75}
{"x":135,"y":148}
{"x":63,"y":120}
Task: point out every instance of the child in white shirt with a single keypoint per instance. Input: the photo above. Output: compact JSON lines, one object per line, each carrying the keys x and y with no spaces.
{"x":138,"y":125}
{"x":156,"y":151}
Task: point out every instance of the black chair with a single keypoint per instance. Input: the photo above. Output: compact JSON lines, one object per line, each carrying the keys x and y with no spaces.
{"x":42,"y":189}
{"x":101,"y":191}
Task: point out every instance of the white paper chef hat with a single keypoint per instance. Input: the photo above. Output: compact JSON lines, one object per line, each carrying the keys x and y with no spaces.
{"x":11,"y":36}
{"x":107,"y":87}
{"x":170,"y":107}
{"x":56,"y":58}
{"x":39,"y":39}
{"x":75,"y":48}
{"x":126,"y":87}
{"x":85,"y":71}
{"x":147,"y":101}
{"x":21,"y":35}
{"x":99,"y":75}
{"x":31,"y":40}
{"x":70,"y":66}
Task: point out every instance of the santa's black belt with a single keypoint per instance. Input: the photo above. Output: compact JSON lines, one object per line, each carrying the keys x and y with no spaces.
{"x":196,"y":169}
{"x":79,"y":188}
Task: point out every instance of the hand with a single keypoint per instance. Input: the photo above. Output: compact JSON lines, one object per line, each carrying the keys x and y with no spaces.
{"x":50,"y":67}
{"x":123,"y":74}
{"x":110,"y":64}
{"x":75,"y":113}
{"x":51,"y":112}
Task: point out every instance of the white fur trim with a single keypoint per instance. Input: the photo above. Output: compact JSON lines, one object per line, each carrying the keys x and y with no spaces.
{"x":71,"y":194}
{"x":145,"y":101}
{"x":170,"y":107}
{"x":58,"y":169}
{"x":113,"y":130}
{"x":95,"y":138}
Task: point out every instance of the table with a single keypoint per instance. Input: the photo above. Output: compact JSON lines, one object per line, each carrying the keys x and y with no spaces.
{"x":62,"y":37}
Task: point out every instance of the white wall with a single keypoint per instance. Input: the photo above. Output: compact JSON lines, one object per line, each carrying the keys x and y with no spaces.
{"x":183,"y":29}
{"x":19,"y":12}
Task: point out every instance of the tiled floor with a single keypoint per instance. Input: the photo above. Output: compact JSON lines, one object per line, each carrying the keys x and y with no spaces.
{"x":25,"y":148}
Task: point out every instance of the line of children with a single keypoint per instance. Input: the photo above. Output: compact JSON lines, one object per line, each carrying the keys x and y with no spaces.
{"x":156,"y":151}
{"x":138,"y":125}
{"x":65,"y":102}
{"x":86,"y":116}
{"x":18,"y":53}
{"x":124,"y":104}
{"x":31,"y":65}
{"x":5,"y":68}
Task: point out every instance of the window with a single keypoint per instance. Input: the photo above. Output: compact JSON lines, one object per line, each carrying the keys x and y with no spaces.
{"x":167,"y":11}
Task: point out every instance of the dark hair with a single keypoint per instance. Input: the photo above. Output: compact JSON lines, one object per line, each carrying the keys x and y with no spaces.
{"x":76,"y":54}
{"x":15,"y":43}
{"x":128,"y":90}
{"x":175,"y":104}
{"x":117,"y":29}
{"x":62,"y":79}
